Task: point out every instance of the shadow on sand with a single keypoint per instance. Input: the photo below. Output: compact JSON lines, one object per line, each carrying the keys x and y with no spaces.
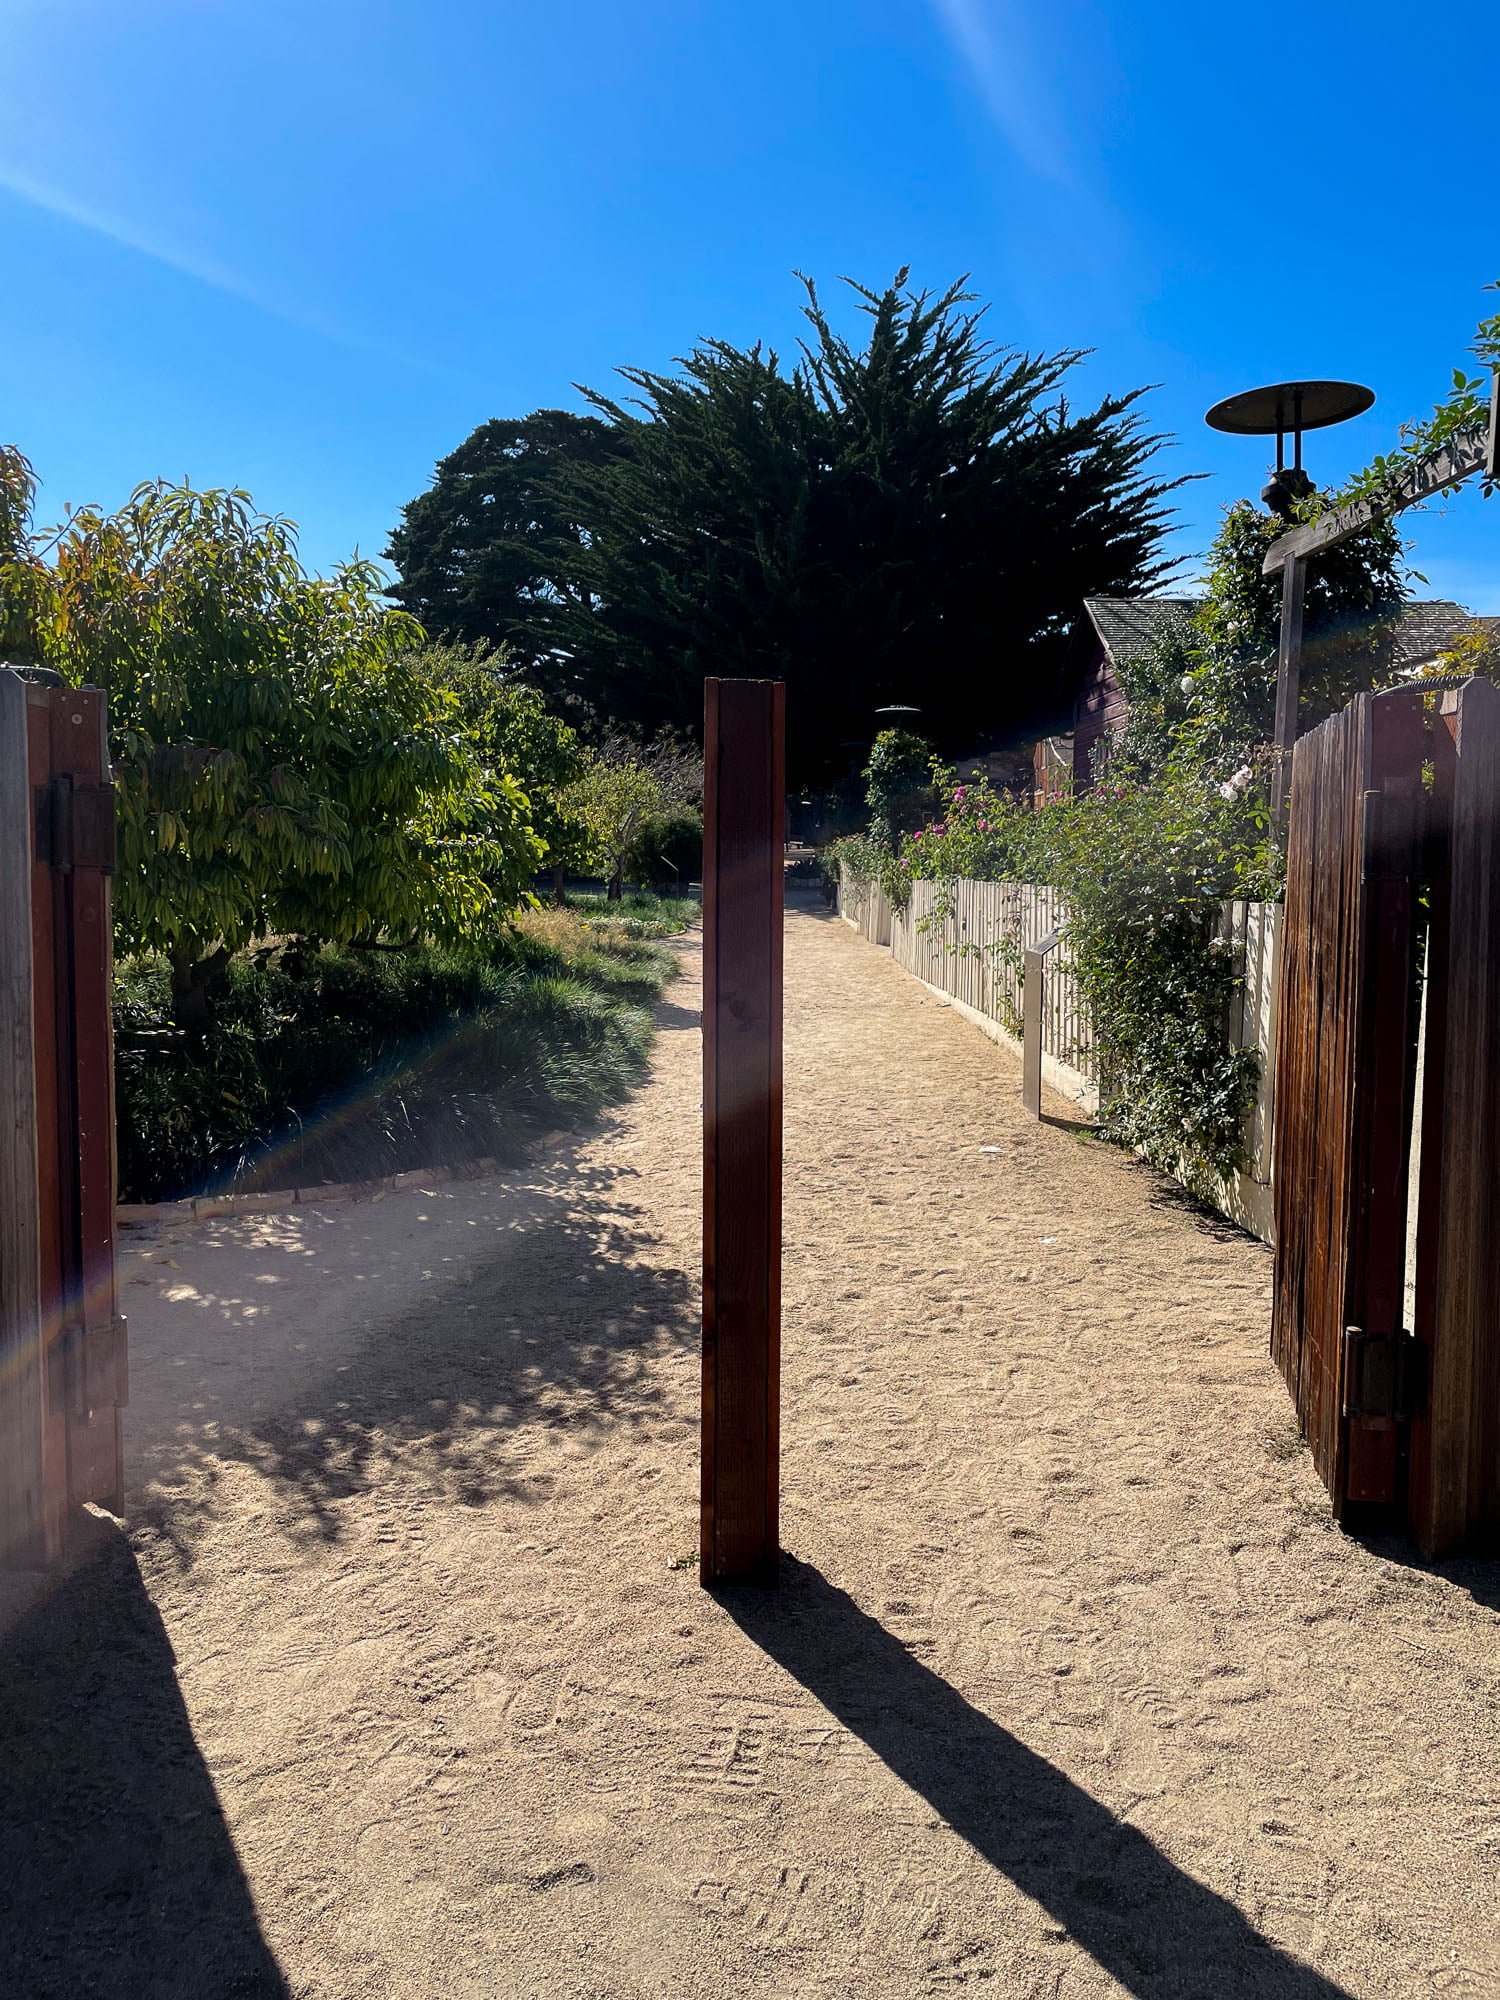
{"x":1152,"y":1927}
{"x":117,"y":1872}
{"x":563,"y":1325}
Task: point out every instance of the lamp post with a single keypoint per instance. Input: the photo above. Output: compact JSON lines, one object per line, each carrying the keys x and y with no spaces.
{"x":1285,"y":407}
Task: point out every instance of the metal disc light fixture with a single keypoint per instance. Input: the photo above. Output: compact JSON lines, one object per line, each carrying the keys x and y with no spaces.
{"x":1292,"y":407}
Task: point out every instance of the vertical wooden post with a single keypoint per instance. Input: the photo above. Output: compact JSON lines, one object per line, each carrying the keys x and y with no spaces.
{"x":1454,"y":1489}
{"x":1288,"y":687}
{"x":82,"y":859}
{"x":1389,"y":823}
{"x":744,"y":805}
{"x":1033,"y":1006}
{"x":22,"y":1538}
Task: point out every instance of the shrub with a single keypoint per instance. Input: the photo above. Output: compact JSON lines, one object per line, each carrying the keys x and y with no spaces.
{"x":1144,"y":867}
{"x":281,"y":765}
{"x":899,"y":787}
{"x":668,"y":850}
{"x":336,"y":1064}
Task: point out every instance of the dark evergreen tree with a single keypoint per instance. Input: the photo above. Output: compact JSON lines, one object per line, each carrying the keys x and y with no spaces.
{"x":911,"y":520}
{"x":490,"y":542}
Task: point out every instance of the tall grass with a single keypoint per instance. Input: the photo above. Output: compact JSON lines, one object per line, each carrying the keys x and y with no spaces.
{"x":341,"y":1065}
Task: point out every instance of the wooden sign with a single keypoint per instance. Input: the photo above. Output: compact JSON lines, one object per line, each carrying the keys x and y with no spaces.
{"x":744,"y":806}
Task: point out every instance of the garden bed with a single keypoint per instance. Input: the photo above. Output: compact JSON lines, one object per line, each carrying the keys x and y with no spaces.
{"x":339,"y":1065}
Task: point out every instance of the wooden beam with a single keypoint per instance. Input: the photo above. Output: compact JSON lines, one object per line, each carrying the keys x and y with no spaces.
{"x":1288,"y":688}
{"x":744,"y":810}
{"x":1466,"y":455}
{"x":22,"y":1512}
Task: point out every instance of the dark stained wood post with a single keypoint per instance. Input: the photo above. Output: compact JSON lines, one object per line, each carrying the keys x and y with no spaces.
{"x":1454,"y":1487}
{"x":744,"y":806}
{"x":1288,"y":687}
{"x":22,"y":1401}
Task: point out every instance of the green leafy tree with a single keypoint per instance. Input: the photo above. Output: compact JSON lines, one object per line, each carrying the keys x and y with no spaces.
{"x":281,"y":766}
{"x":513,"y":732}
{"x":668,"y":851}
{"x":900,"y":790}
{"x":913,"y":518}
{"x":1205,"y":686}
{"x":1476,"y":651}
{"x":625,"y":787}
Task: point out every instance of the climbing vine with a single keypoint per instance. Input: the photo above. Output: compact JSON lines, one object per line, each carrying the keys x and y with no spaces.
{"x":1145,"y":868}
{"x":1464,"y":409}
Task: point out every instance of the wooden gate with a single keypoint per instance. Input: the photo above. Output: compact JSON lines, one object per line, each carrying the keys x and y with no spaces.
{"x":1344,"y":1086}
{"x":62,"y":1341}
{"x":1454,"y":1484}
{"x":1392,"y":849}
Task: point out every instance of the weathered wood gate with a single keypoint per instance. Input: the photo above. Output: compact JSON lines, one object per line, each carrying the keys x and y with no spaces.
{"x":1393,"y":844}
{"x":62,"y":1341}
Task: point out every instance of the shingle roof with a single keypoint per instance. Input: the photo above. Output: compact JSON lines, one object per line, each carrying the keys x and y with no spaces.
{"x":1126,"y":624}
{"x":1425,"y":630}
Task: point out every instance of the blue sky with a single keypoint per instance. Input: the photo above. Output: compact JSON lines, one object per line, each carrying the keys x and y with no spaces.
{"x":304,"y":248}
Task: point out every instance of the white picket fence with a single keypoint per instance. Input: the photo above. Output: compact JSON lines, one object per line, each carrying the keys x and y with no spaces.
{"x":964,"y":940}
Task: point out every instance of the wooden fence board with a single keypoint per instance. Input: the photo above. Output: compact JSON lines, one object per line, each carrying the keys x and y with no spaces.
{"x":1455,"y":1447}
{"x":1344,"y":1073}
{"x":60,"y":814}
{"x":22,"y":1534}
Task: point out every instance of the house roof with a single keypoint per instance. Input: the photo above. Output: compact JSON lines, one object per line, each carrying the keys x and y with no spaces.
{"x":1425,"y":630}
{"x":1126,"y":624}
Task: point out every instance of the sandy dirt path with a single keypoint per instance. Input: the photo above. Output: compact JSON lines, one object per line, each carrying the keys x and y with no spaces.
{"x":1071,"y":1690}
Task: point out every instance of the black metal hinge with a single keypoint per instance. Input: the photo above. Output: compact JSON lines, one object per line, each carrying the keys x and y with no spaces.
{"x":1385,"y":1377}
{"x":75,"y":825}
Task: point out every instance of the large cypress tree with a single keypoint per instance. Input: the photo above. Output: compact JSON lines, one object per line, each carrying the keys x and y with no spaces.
{"x":914,"y":519}
{"x":491,"y":540}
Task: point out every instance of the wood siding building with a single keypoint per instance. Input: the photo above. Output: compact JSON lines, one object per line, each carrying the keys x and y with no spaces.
{"x":1110,"y":630}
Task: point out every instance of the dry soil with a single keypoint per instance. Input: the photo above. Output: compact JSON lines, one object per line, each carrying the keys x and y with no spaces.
{"x":402,"y":1685}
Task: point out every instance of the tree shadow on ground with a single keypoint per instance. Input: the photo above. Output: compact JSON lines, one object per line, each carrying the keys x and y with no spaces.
{"x":563,"y":1325}
{"x":117,"y":1872}
{"x":1152,"y":1927}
